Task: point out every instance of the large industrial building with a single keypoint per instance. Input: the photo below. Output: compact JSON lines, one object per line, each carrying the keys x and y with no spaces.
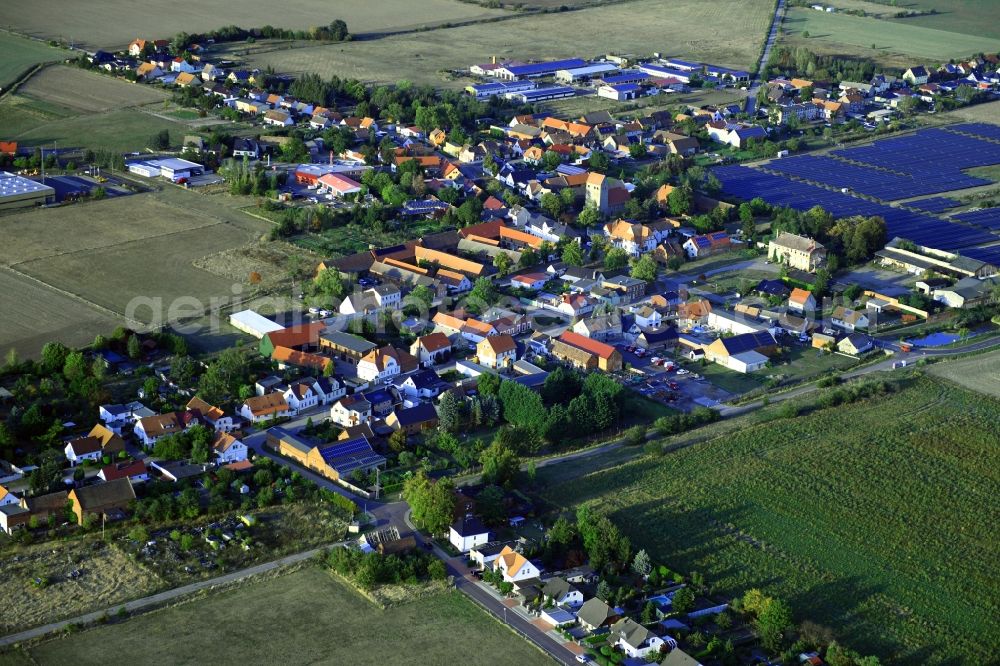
{"x":20,"y":192}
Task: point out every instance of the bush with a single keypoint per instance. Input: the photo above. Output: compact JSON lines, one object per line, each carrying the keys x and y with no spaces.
{"x":635,"y":435}
{"x":654,"y":449}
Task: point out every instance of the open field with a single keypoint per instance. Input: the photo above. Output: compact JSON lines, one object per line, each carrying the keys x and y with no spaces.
{"x":876,"y":518}
{"x":107,"y":253}
{"x":18,"y":54}
{"x":979,"y":373}
{"x":34,"y":314}
{"x":310,"y":618}
{"x":114,"y":23}
{"x":107,"y":577}
{"x":573,"y":107}
{"x":728,"y":32}
{"x":841,"y":33}
{"x":87,"y":92}
{"x":970,"y":17}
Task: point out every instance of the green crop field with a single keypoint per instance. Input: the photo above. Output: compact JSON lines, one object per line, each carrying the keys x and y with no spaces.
{"x":304,"y":617}
{"x":727,"y":32}
{"x":971,"y":17}
{"x":114,"y":23}
{"x":876,"y":518}
{"x":895,"y":41}
{"x":17,"y":54}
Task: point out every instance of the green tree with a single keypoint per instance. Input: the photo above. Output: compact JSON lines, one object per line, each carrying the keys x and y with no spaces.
{"x":75,"y":366}
{"x":489,"y":505}
{"x":772,"y":621}
{"x":451,"y":412}
{"x":397,"y":441}
{"x":133,"y":347}
{"x":644,"y":268}
{"x":615,"y":259}
{"x":590,"y":216}
{"x":502,"y":262}
{"x":484,"y":293}
{"x":572,"y":254}
{"x":552,"y":204}
{"x":53,"y":357}
{"x":330,"y":284}
{"x":500,"y":464}
{"x":150,"y":388}
{"x":641,"y":563}
{"x":683,"y":600}
{"x":680,"y":200}
{"x":432,"y":502}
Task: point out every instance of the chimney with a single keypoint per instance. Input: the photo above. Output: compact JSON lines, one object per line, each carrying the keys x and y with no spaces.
{"x":331,"y":158}
{"x":493,"y":59}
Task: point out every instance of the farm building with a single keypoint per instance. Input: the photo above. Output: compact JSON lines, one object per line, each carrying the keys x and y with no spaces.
{"x":630,"y":76}
{"x":253,"y":324}
{"x":338,"y":186}
{"x":19,"y":192}
{"x":498,"y":88}
{"x":583,"y":73}
{"x":515,"y":72}
{"x":542,"y":94}
{"x":620,"y":92}
{"x":171,"y":168}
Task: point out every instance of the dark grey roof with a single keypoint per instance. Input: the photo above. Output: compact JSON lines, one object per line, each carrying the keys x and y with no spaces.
{"x":347,"y":341}
{"x":469,"y":526}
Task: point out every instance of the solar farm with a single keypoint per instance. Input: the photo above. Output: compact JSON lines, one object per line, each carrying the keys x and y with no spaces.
{"x":863,"y":180}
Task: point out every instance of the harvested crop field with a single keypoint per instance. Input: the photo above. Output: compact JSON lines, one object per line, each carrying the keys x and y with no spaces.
{"x":107,"y":577}
{"x":114,"y":23}
{"x":87,"y":92}
{"x":34,"y":314}
{"x":310,"y":619}
{"x":980,"y":372}
{"x":728,"y":32}
{"x":17,"y":55}
{"x":91,"y":260}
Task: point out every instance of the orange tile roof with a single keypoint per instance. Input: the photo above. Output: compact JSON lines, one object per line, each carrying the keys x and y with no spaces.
{"x":270,"y":403}
{"x":434,"y":341}
{"x":210,"y":412}
{"x":799,"y":295}
{"x":300,"y":359}
{"x":448,"y":260}
{"x":499,"y":344}
{"x":297,"y":336}
{"x":520,"y":236}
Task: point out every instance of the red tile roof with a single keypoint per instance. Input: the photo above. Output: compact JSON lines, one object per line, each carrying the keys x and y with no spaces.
{"x":586,"y":344}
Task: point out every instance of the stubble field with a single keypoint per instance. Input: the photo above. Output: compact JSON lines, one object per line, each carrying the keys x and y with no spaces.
{"x":979,"y":373}
{"x":876,"y":519}
{"x":87,"y":92}
{"x":728,"y":32}
{"x":81,"y":265}
{"x":114,"y":23}
{"x":305,"y":617}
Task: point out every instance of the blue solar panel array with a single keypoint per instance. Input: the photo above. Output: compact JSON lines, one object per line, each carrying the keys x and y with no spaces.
{"x":878,"y":183}
{"x":979,"y":129}
{"x":991,"y":255}
{"x":988,"y":218}
{"x":933,"y":204}
{"x":931,"y":157}
{"x":747,"y":183}
{"x":345,"y":457}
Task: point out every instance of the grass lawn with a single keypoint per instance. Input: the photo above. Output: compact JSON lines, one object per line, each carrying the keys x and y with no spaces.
{"x":991,"y":172}
{"x":857,"y":35}
{"x":728,"y":380}
{"x":804,"y":362}
{"x":640,"y":409}
{"x":303,"y":617}
{"x":17,"y":54}
{"x":876,"y":519}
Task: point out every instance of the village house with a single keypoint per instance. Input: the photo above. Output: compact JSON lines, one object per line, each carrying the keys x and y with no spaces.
{"x":380,"y":298}
{"x":345,"y":346}
{"x":258,"y":409}
{"x":606,"y":194}
{"x":635,"y":640}
{"x":856,"y":344}
{"x":102,"y":498}
{"x":422,"y":384}
{"x":133,"y":470}
{"x":431,"y":349}
{"x":381,"y":365}
{"x":351,"y":410}
{"x":514,"y":566}
{"x":746,"y":352}
{"x":413,"y":420}
{"x":228,"y":449}
{"x":849,"y":319}
{"x":100,"y":441}
{"x":211,"y":414}
{"x":799,"y":252}
{"x":585,"y":353}
{"x":801,"y":300}
{"x":707,"y":244}
{"x":561,"y":592}
{"x":468,"y":532}
{"x":635,"y":239}
{"x":152,"y":428}
{"x":498,"y":351}
{"x":595,"y":614}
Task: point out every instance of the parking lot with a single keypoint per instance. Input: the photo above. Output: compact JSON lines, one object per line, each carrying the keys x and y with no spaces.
{"x":670,"y":383}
